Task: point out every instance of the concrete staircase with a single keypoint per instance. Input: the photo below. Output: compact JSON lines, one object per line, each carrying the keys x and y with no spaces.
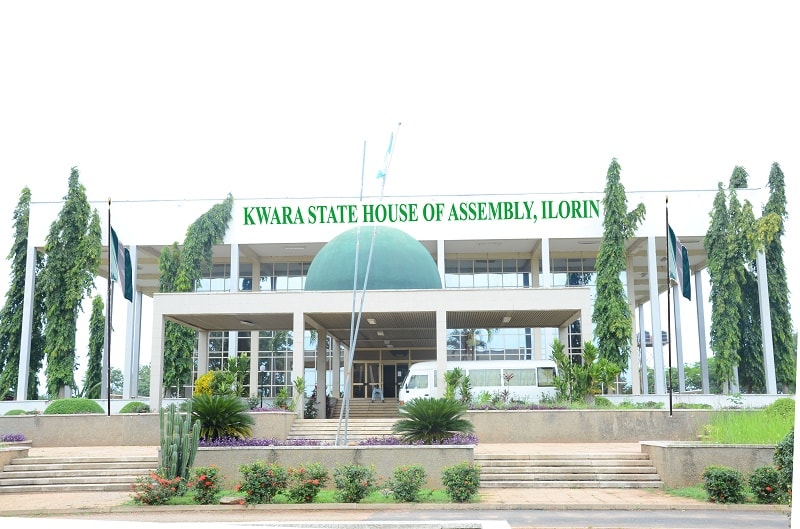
{"x":365,"y":408}
{"x":324,"y":430}
{"x":615,"y":470}
{"x":72,"y":474}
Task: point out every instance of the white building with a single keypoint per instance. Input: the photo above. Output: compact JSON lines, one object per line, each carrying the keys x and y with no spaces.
{"x":519,"y":265}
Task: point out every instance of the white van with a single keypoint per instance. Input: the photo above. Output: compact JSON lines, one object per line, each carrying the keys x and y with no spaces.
{"x":526,"y":380}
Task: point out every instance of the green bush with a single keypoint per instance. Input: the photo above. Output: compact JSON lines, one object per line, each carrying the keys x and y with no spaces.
{"x":461,"y":481}
{"x":765,"y":483}
{"x":222,"y":416}
{"x":74,"y":405}
{"x":305,"y":482}
{"x":782,"y":407}
{"x":205,"y":484}
{"x":430,"y":420}
{"x":155,"y":489}
{"x":602,"y":402}
{"x":783,"y":459}
{"x":724,"y":484}
{"x":406,"y":482}
{"x":135,"y":407}
{"x":15,"y":412}
{"x":353,"y":482}
{"x":261,"y":481}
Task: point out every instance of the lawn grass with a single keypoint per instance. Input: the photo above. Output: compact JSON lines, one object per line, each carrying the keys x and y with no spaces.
{"x":747,"y":427}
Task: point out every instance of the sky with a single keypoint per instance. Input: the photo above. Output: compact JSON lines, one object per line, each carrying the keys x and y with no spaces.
{"x":199,"y":99}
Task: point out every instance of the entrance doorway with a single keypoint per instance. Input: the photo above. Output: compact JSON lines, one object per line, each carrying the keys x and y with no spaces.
{"x":366,"y":375}
{"x":393,"y":375}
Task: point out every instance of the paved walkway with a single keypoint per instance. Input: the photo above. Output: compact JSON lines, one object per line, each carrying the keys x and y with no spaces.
{"x":117,"y":504}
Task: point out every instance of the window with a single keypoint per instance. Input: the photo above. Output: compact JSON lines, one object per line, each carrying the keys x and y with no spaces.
{"x":283,"y":276}
{"x":418,"y":382}
{"x":547,"y":377}
{"x":487,"y":273}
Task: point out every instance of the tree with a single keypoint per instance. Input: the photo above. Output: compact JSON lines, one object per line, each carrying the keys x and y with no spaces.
{"x":181,"y":271}
{"x":783,"y":340}
{"x":72,"y":259}
{"x":12,"y":311}
{"x":144,"y":380}
{"x":93,"y":378}
{"x":581,"y":381}
{"x":612,"y":315}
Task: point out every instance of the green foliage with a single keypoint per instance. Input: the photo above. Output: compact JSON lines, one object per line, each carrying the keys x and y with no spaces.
{"x":180,"y":271}
{"x":222,"y":416}
{"x":14,"y":412}
{"x":93,"y":378}
{"x":353,"y":482}
{"x":782,"y":408}
{"x":72,"y":249}
{"x":282,"y":398}
{"x":11,"y":312}
{"x":765,"y":483}
{"x":581,"y":381}
{"x":144,"y":381}
{"x":461,"y":481}
{"x":74,"y":405}
{"x":747,"y":427}
{"x":784,"y":341}
{"x":205,"y":484}
{"x":305,"y":482}
{"x":783,"y":459}
{"x":611,"y":314}
{"x":430,"y":420}
{"x":452,"y":379}
{"x":406,"y":482}
{"x":135,"y":407}
{"x":465,"y":388}
{"x":724,"y":484}
{"x":180,"y":436}
{"x":155,"y":489}
{"x":262,"y":481}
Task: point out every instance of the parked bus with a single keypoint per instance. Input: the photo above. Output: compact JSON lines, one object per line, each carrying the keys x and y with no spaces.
{"x":526,"y":380}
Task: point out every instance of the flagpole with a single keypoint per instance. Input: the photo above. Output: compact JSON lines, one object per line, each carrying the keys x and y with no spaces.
{"x":669,"y":315}
{"x":109,"y":301}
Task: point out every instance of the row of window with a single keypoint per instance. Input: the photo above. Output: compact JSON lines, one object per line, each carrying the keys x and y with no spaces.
{"x":459,"y":273}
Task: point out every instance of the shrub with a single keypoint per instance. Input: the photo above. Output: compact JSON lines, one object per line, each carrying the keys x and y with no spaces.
{"x":782,"y":407}
{"x":11,"y":437}
{"x":430,"y":420}
{"x":461,"y":481}
{"x":135,"y":407}
{"x":73,"y":405}
{"x":783,"y":459}
{"x":261,"y":481}
{"x":222,"y":416}
{"x":765,"y":482}
{"x":204,"y":385}
{"x":353,"y":482}
{"x":406,"y":482}
{"x":15,"y":412}
{"x":305,"y":482}
{"x":205,"y":484}
{"x":724,"y":484}
{"x":155,"y":489}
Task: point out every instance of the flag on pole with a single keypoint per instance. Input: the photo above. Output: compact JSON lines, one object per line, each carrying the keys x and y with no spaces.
{"x":679,"y":264}
{"x":120,"y":266}
{"x":387,"y":158}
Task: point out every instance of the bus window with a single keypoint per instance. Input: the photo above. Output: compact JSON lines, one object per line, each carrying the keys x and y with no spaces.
{"x":417,"y":382}
{"x":547,"y":377}
{"x":521,"y":377}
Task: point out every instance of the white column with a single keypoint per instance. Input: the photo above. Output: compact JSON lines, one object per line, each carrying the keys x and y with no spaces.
{"x":655,"y":316}
{"x":27,"y":323}
{"x":643,"y":354}
{"x":298,"y":353}
{"x":547,"y":279}
{"x":133,"y":332}
{"x":202,"y":353}
{"x":766,"y":324}
{"x":255,"y":365}
{"x":233,"y":336}
{"x":336,"y":367}
{"x":676,"y":303}
{"x":701,"y":331}
{"x":157,"y":359}
{"x":322,"y":354}
{"x":440,"y":259}
{"x":441,"y":349}
{"x":633,"y":360}
{"x":538,"y":349}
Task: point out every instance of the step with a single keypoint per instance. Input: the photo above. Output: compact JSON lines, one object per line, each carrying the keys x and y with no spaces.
{"x":573,"y":484}
{"x":72,"y":487}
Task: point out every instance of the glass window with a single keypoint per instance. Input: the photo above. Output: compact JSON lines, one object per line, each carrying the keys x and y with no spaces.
{"x":418,"y":382}
{"x":547,"y":377}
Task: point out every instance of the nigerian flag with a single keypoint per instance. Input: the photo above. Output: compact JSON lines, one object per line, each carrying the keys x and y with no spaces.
{"x":120,"y":266}
{"x":679,"y":271}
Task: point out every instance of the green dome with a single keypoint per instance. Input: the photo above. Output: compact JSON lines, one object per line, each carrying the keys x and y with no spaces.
{"x":399,"y":262}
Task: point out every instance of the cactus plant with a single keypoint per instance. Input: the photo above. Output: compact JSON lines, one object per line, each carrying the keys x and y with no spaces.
{"x":179,"y":439}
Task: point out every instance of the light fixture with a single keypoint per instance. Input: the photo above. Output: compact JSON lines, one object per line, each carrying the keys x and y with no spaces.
{"x":246,"y":322}
{"x":506,"y":319}
{"x":371,"y":321}
{"x":380,"y":333}
{"x":294,"y":247}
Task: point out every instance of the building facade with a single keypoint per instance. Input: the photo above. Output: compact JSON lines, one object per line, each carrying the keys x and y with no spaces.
{"x":458,"y":277}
